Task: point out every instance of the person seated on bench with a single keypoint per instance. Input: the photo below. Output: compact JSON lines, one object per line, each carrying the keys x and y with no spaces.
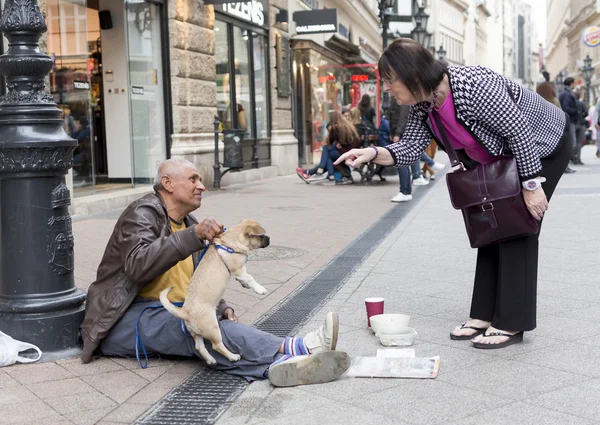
{"x":341,"y":138}
{"x":154,"y":245}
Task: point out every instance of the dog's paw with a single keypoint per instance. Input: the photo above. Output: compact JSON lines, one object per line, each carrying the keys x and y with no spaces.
{"x":259,"y":289}
{"x":211,"y":361}
{"x":235,"y":357}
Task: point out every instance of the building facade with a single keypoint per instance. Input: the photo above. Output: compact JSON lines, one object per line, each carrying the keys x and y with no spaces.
{"x":140,"y":82}
{"x":566,"y":49}
{"x":332,"y":70}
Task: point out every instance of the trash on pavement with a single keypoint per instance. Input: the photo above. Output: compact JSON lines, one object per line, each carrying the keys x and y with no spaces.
{"x":10,"y":349}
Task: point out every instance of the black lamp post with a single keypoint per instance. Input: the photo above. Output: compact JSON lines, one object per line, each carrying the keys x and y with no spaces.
{"x":441,"y":53}
{"x":588,"y":71}
{"x":39,"y":302}
{"x":384,"y":16}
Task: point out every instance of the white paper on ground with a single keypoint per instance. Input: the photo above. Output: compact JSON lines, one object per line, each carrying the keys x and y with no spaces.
{"x":395,"y":352}
{"x":394,"y":367}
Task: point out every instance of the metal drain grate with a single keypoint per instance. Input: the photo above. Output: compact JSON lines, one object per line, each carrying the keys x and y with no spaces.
{"x":199,"y":400}
{"x":205,"y":395}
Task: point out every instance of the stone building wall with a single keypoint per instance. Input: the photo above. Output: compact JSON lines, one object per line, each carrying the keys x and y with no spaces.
{"x":284,"y":146}
{"x":193,"y":82}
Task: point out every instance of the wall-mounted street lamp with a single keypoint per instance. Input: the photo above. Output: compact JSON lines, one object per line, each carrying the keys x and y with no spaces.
{"x":419,"y":33}
{"x":441,"y":53}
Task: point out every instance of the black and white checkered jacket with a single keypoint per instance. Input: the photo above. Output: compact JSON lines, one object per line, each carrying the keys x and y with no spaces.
{"x":529,"y":127}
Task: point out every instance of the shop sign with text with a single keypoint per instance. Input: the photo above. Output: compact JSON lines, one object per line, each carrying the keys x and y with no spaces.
{"x":316,"y":21}
{"x":254,"y":11}
{"x":591,"y":36}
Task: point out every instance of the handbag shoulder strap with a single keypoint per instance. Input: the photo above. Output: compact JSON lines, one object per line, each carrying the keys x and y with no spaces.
{"x":444,"y":136}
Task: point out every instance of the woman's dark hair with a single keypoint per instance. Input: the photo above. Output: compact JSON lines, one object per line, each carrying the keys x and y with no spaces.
{"x":546,"y":90}
{"x":414,"y":65}
{"x":365,"y":103}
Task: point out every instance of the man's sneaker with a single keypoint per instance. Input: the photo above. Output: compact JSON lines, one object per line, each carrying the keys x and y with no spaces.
{"x":310,"y":369}
{"x":325,"y":337}
{"x":401,"y":197}
{"x":345,"y":180}
{"x":421,"y":181}
{"x":303,"y":174}
{"x":438,"y":166}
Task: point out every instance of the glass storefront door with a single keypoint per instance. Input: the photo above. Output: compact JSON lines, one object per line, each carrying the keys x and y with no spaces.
{"x":148,"y":139}
{"x":73,"y":32}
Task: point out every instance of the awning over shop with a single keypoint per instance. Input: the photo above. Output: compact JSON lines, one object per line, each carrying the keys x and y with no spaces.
{"x":349,"y":51}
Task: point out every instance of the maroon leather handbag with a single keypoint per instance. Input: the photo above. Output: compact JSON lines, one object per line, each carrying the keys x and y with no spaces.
{"x":489,"y":197}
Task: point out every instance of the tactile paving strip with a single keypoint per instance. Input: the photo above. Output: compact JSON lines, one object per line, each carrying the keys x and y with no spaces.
{"x":205,"y":395}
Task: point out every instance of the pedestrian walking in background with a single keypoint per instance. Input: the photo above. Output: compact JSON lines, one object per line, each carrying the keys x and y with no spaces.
{"x":569,"y":105}
{"x":367,"y":111}
{"x":580,"y":128}
{"x":484,"y":115}
{"x":408,"y":176}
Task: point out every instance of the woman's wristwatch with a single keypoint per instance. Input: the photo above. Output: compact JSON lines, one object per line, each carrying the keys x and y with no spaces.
{"x":533,"y":184}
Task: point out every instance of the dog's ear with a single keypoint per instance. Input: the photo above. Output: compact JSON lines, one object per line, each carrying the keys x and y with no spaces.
{"x":254,"y":229}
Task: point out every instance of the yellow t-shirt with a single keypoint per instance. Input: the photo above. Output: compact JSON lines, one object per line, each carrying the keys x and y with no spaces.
{"x":178,"y":277}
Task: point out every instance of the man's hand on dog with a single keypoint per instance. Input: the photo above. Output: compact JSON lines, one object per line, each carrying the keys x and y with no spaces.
{"x":208,"y":229}
{"x":229,"y":314}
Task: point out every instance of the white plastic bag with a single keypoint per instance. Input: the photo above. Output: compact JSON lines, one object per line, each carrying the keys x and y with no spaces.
{"x":10,"y":349}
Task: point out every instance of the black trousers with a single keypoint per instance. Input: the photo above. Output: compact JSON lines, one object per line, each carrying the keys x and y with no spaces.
{"x":505,"y":290}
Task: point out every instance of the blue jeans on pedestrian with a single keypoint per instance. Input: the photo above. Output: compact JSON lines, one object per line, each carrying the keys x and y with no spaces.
{"x":329,"y":155}
{"x":427,"y":159}
{"x":405,"y":183}
{"x":416,"y":169}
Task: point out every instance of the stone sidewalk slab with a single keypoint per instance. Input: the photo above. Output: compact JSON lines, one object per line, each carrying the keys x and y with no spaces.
{"x":425,"y":268}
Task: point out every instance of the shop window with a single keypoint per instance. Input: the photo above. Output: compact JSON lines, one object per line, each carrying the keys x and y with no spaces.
{"x":241,"y":65}
{"x":261,"y":91}
{"x":222,"y":64}
{"x":242,"y":80}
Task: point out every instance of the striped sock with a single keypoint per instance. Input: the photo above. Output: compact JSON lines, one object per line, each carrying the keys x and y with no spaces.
{"x":279,"y":360}
{"x":295,"y":346}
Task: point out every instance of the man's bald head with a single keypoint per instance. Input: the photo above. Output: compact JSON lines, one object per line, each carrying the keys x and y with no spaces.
{"x":170,"y":168}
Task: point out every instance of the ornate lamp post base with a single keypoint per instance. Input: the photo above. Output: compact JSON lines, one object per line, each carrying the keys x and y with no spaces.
{"x":38,"y":299}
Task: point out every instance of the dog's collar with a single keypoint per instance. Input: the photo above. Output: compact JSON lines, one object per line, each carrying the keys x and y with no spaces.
{"x":226,"y":249}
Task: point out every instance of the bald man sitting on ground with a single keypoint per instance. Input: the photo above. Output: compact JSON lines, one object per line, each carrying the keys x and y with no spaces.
{"x":155,"y":245}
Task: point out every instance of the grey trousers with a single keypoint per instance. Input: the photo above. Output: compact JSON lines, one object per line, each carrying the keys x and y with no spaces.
{"x":162,"y":333}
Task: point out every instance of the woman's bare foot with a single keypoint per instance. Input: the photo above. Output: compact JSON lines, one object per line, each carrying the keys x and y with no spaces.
{"x":499,"y":339}
{"x":466,"y":330}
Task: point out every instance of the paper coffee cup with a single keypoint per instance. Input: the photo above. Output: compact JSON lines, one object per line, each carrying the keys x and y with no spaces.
{"x":374,"y":306}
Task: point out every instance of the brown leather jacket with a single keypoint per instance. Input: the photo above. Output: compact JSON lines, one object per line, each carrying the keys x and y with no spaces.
{"x":141,"y":248}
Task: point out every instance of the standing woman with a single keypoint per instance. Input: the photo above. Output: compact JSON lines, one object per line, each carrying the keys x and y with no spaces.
{"x":484,"y":115}
{"x":367,"y":111}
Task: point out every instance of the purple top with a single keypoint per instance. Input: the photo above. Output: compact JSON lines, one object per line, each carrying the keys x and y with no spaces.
{"x":459,"y":137}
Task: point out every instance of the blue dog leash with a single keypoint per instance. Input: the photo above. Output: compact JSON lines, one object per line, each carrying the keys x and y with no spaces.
{"x":138,"y":338}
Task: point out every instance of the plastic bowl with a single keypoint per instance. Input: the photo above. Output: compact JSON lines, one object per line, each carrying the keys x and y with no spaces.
{"x":389,"y":323}
{"x":402,"y":337}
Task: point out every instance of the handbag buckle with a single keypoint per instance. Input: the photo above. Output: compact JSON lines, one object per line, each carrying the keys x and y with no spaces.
{"x":489,"y":205}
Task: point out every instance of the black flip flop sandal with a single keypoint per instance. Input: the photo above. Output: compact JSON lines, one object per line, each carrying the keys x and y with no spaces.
{"x":512,"y":339}
{"x":479,"y":331}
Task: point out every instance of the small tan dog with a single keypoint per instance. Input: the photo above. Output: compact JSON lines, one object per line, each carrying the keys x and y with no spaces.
{"x":226,"y":257}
